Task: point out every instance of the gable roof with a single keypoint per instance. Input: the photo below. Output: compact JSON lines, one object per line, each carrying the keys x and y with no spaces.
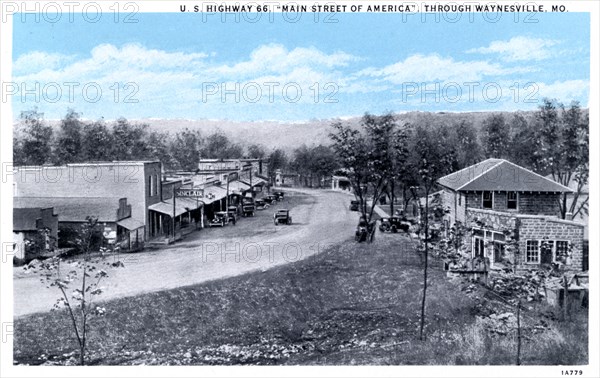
{"x":74,"y":209}
{"x":500,"y":175}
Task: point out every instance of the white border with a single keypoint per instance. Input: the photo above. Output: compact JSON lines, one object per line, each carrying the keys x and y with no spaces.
{"x":6,"y":307}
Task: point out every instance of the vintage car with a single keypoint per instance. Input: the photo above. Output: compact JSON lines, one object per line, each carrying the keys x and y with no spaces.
{"x":260,"y":204}
{"x":282,"y":217}
{"x":354,"y":205}
{"x":393,"y":224}
{"x":232,"y":213}
{"x":279,"y":195}
{"x":270,"y":199}
{"x":219,"y":220}
{"x":248,"y":207}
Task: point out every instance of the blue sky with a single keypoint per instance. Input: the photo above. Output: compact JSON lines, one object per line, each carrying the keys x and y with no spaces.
{"x":179,"y":65}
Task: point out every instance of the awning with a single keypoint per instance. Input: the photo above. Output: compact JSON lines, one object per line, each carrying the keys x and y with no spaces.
{"x":213,"y":193}
{"x":182,"y":206}
{"x":238,"y":187}
{"x":256,"y":181}
{"x":130,"y":223}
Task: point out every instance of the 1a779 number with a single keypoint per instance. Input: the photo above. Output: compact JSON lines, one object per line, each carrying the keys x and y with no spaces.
{"x":571,"y":372}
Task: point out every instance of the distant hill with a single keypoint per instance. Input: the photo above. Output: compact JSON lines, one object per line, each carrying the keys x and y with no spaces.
{"x":314,"y":132}
{"x":288,"y":136}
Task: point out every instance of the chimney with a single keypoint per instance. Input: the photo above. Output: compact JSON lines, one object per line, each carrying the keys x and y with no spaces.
{"x":569,"y":216}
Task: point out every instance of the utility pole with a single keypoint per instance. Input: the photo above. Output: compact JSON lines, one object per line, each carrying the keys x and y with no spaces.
{"x":173,"y":217}
{"x":251,"y":188}
{"x":227,"y":196}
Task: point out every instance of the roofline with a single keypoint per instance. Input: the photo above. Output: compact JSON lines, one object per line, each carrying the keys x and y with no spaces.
{"x":464,"y":169}
{"x":569,"y":190}
{"x":480,"y":175}
{"x":87,"y":164}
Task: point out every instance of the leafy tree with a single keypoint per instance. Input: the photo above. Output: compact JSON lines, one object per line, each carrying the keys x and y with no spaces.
{"x":432,"y":160}
{"x":366,"y":156}
{"x":185,"y":149}
{"x":314,"y":163}
{"x":277,"y":160}
{"x":563,"y":149}
{"x":323,"y":162}
{"x":399,"y":154}
{"x":256,"y":151}
{"x":159,"y":148}
{"x":467,"y":146}
{"x":496,"y":136}
{"x":129,"y":140}
{"x":68,"y":143}
{"x":523,"y":142}
{"x":79,"y":304}
{"x":35,"y":149}
{"x":218,"y":146}
{"x":97,"y":142}
{"x":302,"y":163}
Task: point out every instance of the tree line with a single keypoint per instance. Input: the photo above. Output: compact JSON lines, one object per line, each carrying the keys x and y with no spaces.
{"x":35,"y":142}
{"x":387,"y":156}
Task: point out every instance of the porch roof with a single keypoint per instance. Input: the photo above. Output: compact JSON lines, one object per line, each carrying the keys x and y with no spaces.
{"x":182,"y":206}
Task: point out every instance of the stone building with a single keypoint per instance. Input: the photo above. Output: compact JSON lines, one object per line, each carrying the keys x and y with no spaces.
{"x":502,"y":203}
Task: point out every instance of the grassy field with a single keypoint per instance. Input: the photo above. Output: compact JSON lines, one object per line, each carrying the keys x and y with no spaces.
{"x":352,"y":304}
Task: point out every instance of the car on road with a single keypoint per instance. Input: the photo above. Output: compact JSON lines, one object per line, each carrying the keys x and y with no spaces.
{"x":248,"y":207}
{"x":270,"y":199}
{"x":354,"y":205}
{"x":261,"y":204}
{"x":393,"y":224}
{"x":282,"y":216}
{"x":279,"y":195}
{"x":232,"y":214}
{"x":219,"y":220}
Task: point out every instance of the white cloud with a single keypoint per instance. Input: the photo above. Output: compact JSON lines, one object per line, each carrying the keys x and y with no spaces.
{"x":566,"y":91}
{"x":431,"y":68}
{"x":175,"y":79}
{"x":36,"y":61}
{"x":275,"y":58}
{"x":519,"y":49}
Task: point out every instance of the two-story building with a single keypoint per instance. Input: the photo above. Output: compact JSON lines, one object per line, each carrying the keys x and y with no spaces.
{"x":138,"y":181}
{"x":498,"y":200}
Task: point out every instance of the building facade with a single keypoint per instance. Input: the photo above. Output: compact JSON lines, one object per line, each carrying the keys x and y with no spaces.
{"x":503,"y":204}
{"x":35,"y":232}
{"x":138,"y":181}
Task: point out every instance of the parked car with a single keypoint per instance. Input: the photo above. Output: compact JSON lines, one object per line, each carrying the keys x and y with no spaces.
{"x":279,"y":195}
{"x":248,"y":207}
{"x":260,"y":204}
{"x":354,"y":205}
{"x":219,"y":220}
{"x":393,"y":224}
{"x":232,"y":214}
{"x":270,"y":199}
{"x":282,"y":217}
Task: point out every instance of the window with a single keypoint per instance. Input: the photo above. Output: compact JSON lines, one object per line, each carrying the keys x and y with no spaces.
{"x":488,"y":200}
{"x":150,"y":186}
{"x":533,"y":252}
{"x":511,"y":200}
{"x":459,"y":199}
{"x":156,"y":185}
{"x":547,"y":251}
{"x":478,"y":248}
{"x":498,"y":251}
{"x":562,"y":248}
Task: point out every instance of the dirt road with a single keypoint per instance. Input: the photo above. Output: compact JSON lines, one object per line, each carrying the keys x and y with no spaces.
{"x":320,"y":218}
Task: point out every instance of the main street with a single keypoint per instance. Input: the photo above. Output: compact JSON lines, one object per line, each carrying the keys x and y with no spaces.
{"x":320,"y":218}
